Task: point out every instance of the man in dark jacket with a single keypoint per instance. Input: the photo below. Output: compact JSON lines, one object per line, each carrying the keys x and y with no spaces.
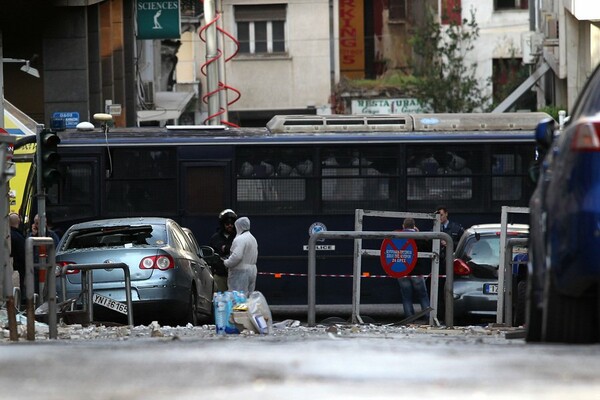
{"x":455,"y":230}
{"x":413,"y":288}
{"x":221,"y":242}
{"x":17,"y":248}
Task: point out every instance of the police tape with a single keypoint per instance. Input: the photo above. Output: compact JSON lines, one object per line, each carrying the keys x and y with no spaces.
{"x":363,"y":275}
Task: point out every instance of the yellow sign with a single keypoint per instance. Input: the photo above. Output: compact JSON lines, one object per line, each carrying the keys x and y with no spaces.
{"x":22,"y":158}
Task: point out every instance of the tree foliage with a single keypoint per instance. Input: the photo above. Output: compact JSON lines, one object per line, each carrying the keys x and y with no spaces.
{"x":446,"y":81}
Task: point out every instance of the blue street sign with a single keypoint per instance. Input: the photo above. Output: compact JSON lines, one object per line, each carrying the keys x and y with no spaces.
{"x":71,"y":118}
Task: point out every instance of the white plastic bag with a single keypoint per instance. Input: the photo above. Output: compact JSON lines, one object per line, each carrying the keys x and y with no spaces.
{"x":259,"y":312}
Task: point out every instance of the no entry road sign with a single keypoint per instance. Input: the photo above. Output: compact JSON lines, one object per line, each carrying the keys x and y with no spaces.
{"x":398,"y":256}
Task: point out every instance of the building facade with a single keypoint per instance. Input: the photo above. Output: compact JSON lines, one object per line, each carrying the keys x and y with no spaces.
{"x":285,"y":57}
{"x":568,"y":41}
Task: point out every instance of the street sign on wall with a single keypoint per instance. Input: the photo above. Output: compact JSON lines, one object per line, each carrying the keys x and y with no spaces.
{"x":158,"y":19}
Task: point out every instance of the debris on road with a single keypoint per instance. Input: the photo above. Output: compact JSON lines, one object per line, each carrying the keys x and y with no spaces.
{"x":283,"y":329}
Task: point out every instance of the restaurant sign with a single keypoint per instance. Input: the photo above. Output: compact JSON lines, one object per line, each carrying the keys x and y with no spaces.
{"x":387,"y":106}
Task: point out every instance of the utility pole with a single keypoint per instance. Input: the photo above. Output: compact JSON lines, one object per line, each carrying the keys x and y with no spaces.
{"x":212,"y":67}
{"x":7,"y":170}
{"x":1,"y":84}
{"x":223,"y":102}
{"x":41,"y":190}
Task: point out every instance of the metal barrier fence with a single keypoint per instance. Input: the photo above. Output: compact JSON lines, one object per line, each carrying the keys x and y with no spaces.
{"x":359,"y":217}
{"x":47,"y":261}
{"x":87,"y":285}
{"x":448,"y":289}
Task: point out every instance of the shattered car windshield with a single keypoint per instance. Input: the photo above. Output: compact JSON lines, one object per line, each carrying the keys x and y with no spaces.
{"x":116,"y":236}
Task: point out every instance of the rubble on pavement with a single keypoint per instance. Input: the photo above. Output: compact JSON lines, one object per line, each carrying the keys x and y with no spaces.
{"x":286,"y":328}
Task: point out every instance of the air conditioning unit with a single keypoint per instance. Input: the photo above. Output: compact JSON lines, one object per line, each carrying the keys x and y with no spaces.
{"x":531,"y":46}
{"x":148,"y":94}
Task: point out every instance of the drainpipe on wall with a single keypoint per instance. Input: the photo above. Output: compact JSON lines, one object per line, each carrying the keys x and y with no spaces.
{"x":533,"y":6}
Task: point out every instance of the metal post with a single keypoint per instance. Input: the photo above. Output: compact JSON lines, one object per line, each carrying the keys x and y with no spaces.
{"x":501,"y":271}
{"x":503,"y":275}
{"x":41,"y":195}
{"x":4,"y":222}
{"x":1,"y":84}
{"x":435,"y":271}
{"x":7,"y":170}
{"x":41,"y":192}
{"x":48,"y":264}
{"x":510,"y":243}
{"x":88,"y":278}
{"x":357,"y":269}
{"x":212,"y":67}
{"x":51,"y":283}
{"x":448,"y":289}
{"x":223,"y":100}
{"x":29,"y":288}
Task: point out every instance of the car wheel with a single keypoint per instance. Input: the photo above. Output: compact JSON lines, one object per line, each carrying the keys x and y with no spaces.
{"x":192,"y":309}
{"x":568,"y":319}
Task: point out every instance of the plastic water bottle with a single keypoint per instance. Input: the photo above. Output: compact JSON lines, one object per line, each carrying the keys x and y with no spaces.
{"x":229,"y":299}
{"x":221,"y":314}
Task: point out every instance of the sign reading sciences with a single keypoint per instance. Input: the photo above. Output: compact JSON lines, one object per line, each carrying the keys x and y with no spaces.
{"x":158,"y":19}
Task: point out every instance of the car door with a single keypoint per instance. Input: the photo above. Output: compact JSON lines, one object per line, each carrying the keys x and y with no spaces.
{"x":200,"y":269}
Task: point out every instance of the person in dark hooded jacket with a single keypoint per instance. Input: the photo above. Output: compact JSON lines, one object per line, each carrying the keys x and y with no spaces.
{"x":17,"y":249}
{"x":221,"y":242}
{"x":242,"y":261}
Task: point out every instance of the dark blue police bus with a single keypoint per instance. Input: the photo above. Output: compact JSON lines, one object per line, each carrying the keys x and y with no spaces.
{"x":298,"y":171}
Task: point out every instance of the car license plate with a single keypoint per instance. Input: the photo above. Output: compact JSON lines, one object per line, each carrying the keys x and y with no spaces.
{"x":110,"y":303}
{"x":490,"y":288}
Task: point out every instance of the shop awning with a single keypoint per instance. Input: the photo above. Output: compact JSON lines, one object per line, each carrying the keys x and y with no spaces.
{"x":17,"y":122}
{"x":168,"y":105}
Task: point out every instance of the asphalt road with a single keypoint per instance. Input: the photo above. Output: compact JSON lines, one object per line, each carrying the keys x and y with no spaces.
{"x":295,"y":362}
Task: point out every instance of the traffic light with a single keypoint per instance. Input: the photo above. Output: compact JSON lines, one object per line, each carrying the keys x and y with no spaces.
{"x":49,"y":157}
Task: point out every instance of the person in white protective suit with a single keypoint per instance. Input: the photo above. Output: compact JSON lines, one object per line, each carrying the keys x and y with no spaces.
{"x":241,"y":263}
